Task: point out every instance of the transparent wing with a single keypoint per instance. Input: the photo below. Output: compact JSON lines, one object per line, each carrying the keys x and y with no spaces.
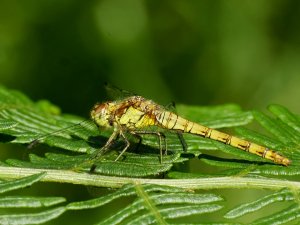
{"x":171,"y":107}
{"x":115,"y":93}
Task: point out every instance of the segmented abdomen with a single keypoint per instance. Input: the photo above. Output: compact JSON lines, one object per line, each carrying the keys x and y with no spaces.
{"x":172,"y":121}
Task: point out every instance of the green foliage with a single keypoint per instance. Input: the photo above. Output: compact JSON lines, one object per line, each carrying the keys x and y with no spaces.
{"x":21,"y":183}
{"x":68,"y":160}
{"x":284,"y":195}
{"x":24,"y":121}
{"x":27,"y":202}
{"x":281,"y":217}
{"x":162,"y":202}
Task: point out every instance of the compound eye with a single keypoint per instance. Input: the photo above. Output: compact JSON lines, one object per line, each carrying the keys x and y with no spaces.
{"x":99,"y":107}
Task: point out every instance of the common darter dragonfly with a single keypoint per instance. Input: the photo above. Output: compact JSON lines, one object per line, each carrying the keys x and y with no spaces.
{"x":135,"y":114}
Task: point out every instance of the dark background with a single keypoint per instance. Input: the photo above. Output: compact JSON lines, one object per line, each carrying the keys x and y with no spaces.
{"x":195,"y":52}
{"x":201,"y":52}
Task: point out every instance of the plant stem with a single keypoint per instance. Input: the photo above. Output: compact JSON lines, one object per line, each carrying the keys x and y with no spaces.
{"x":66,"y":176}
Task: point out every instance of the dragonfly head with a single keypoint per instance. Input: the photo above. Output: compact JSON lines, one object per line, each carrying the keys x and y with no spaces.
{"x":101,"y":114}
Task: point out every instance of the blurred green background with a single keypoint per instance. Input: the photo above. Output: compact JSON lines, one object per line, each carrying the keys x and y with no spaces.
{"x":195,"y":52}
{"x":201,"y":52}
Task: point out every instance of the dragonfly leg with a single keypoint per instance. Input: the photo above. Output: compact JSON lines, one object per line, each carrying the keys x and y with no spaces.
{"x":182,"y":141}
{"x":109,"y":142}
{"x":161,"y":137}
{"x":126,"y":147}
{"x":104,"y":149}
{"x":140,"y":140}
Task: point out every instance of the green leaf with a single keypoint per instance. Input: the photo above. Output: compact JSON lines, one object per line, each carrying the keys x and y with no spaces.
{"x":285,"y":116}
{"x":194,"y":204}
{"x":138,"y":173}
{"x":126,"y":190}
{"x":176,"y":212}
{"x":32,"y":218}
{"x":29,"y":202}
{"x":14,"y":202}
{"x":6,"y":124}
{"x":27,"y":120}
{"x":287,"y":215}
{"x":279,"y":129}
{"x":20,"y":183}
{"x":284,"y":195}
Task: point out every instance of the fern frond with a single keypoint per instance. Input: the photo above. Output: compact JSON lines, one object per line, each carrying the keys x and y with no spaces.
{"x":20,"y":183}
{"x":284,"y":195}
{"x":27,"y":202}
{"x":157,"y":207}
{"x":154,"y":200}
{"x":25,"y":121}
{"x":290,"y":214}
{"x":32,"y":218}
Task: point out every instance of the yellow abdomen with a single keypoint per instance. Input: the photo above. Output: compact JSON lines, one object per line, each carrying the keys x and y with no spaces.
{"x":172,"y":121}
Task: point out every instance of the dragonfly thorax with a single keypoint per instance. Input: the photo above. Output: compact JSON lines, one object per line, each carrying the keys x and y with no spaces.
{"x":132,"y":113}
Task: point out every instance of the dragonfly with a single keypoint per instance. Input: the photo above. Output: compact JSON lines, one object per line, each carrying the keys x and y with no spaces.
{"x":134,"y":114}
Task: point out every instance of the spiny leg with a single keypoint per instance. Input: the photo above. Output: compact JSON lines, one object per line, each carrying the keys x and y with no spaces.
{"x":160,"y":136}
{"x":126,"y":147}
{"x":104,"y":149}
{"x":140,"y":140}
{"x":109,"y":142}
{"x":138,"y":136}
